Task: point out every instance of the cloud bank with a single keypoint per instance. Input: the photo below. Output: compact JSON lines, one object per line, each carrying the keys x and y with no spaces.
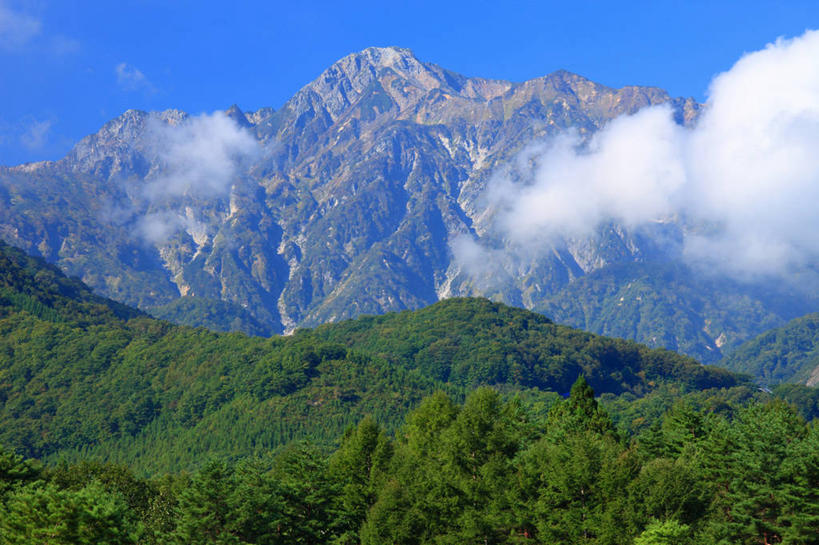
{"x":744,"y":181}
{"x":201,"y":156}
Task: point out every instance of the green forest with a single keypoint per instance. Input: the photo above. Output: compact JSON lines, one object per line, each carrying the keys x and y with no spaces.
{"x":464,"y":422}
{"x":485,"y":471}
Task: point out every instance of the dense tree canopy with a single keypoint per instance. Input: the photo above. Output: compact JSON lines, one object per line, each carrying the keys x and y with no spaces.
{"x":83,"y":376}
{"x":486,"y":471}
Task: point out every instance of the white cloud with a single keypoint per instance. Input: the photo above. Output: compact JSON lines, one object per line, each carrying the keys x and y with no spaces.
{"x":745,"y":179}
{"x":36,"y":134}
{"x":158,"y":227}
{"x":201,"y":156}
{"x":16,"y":29}
{"x":130,"y":78}
{"x":628,"y":172}
{"x":199,"y":159}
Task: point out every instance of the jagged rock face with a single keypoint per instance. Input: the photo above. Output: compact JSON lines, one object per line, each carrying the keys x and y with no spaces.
{"x":362,"y":181}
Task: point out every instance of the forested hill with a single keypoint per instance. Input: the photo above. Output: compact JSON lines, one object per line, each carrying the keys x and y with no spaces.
{"x":32,"y":285}
{"x":475,"y":341}
{"x":80,"y":375}
{"x":786,"y":354}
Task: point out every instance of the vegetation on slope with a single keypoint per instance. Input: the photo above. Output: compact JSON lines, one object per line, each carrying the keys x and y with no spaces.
{"x":84,"y":376}
{"x":486,"y":471}
{"x":474,"y":341}
{"x":670,"y":305}
{"x":211,"y":314}
{"x":786,"y":354}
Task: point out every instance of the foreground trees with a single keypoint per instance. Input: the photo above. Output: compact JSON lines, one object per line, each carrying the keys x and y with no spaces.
{"x":485,"y":472}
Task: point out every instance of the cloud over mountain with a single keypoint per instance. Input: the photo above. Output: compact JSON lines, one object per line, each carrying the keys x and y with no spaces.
{"x":199,"y":157}
{"x":744,"y":179}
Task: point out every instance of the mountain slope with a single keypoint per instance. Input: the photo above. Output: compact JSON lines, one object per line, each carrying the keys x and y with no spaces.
{"x":786,"y":354}
{"x":673,"y":306}
{"x":366,"y":175}
{"x":123,"y":386}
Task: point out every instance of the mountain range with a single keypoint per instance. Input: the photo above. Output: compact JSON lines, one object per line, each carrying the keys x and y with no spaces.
{"x":351,"y":198}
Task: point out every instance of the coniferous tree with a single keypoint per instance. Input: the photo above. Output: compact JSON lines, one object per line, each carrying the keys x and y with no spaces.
{"x":746,"y":460}
{"x":42,"y":514}
{"x":203,"y":512}
{"x":579,"y":412}
{"x":800,"y":471}
{"x":256,"y":505}
{"x":665,"y":532}
{"x":359,"y":467}
{"x":16,"y":471}
{"x":310,"y":512}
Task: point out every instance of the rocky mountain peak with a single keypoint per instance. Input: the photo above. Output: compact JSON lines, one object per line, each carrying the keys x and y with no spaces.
{"x":386,"y":56}
{"x":368,"y":174}
{"x":387,"y":78}
{"x":237,"y":115}
{"x":117,"y":145}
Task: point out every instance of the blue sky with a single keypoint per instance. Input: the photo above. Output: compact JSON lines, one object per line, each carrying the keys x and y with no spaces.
{"x":68,"y":66}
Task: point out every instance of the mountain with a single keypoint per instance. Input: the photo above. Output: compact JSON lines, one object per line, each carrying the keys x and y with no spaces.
{"x":81,"y":376}
{"x":785,"y":354}
{"x":673,"y":306}
{"x":345,"y":201}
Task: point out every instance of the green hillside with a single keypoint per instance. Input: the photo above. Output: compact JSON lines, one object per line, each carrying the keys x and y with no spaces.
{"x":406,"y":444}
{"x":786,"y":354}
{"x":471,"y":342}
{"x":81,"y":376}
{"x":673,"y":306}
{"x":211,"y":314}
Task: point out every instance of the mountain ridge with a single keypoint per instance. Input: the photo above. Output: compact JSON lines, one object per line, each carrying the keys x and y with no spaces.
{"x":348,"y":200}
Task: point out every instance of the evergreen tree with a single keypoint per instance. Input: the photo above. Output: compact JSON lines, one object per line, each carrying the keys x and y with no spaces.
{"x":746,"y":460}
{"x":666,"y":532}
{"x":309,"y":495}
{"x":579,"y":412}
{"x":800,"y":473}
{"x":256,"y":505}
{"x":479,"y":448}
{"x":42,"y":514}
{"x":204,"y":512}
{"x":359,"y":467}
{"x":16,"y":471}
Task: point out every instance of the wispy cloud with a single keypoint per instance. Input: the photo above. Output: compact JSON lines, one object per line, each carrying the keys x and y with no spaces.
{"x":36,"y":134}
{"x":199,"y":157}
{"x":131,"y":78}
{"x":63,"y":45}
{"x":744,"y":180}
{"x":16,"y":28}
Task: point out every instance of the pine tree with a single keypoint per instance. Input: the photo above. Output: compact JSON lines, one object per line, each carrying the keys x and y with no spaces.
{"x":16,"y":471}
{"x":42,"y":514}
{"x":579,"y":412}
{"x":800,"y":473}
{"x":203,"y":513}
{"x":359,"y":467}
{"x":256,"y":505}
{"x":667,"y":532}
{"x":310,"y":515}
